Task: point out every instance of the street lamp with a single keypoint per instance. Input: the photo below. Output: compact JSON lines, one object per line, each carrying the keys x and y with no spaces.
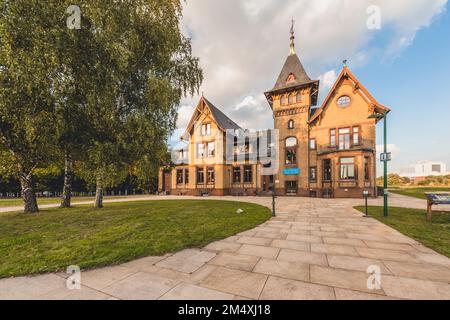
{"x":385,"y":158}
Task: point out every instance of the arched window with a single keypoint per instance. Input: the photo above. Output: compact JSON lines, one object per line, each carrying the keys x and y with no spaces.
{"x":283,"y":100}
{"x":343,"y":101}
{"x":291,"y":99}
{"x":291,"y":124}
{"x":291,"y":151}
{"x":298,"y":97}
{"x":291,"y":142}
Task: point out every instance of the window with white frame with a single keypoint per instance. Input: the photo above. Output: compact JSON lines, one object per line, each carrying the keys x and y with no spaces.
{"x":344,"y":138}
{"x":347,"y":169}
{"x":356,"y":139}
{"x":206,"y":129}
{"x":210,"y":149}
{"x":343,"y":101}
{"x":200,"y":150}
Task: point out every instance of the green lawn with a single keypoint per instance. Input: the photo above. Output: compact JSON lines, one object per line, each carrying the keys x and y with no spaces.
{"x":83,"y":236}
{"x":418,"y":192}
{"x":19,"y":202}
{"x":413,"y":223}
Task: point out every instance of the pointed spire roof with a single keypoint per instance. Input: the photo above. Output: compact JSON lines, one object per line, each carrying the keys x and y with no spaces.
{"x":293,"y":73}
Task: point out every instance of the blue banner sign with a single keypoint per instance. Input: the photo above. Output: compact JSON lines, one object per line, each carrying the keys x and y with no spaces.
{"x":439,"y":198}
{"x":291,"y":172}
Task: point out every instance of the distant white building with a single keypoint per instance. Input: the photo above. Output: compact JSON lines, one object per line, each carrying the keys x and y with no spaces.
{"x":425,"y":169}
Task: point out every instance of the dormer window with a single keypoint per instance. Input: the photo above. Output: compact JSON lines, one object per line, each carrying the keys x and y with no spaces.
{"x":291,"y":78}
{"x":291,"y":124}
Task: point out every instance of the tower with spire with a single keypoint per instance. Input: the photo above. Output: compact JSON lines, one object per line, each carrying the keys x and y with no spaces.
{"x":291,"y":100}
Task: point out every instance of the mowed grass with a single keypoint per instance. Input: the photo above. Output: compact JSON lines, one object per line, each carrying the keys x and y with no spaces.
{"x":413,"y":223}
{"x":57,"y":238}
{"x":419,"y":192}
{"x":19,"y":202}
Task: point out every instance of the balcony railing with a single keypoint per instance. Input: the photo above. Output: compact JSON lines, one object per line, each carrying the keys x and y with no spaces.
{"x":365,"y":145}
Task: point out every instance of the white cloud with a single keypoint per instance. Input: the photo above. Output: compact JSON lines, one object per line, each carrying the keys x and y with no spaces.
{"x":242,"y":45}
{"x":328,"y":79}
{"x":184,"y":115}
{"x":253,"y":112}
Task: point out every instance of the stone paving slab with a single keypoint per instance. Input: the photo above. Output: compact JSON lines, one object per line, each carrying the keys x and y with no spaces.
{"x":313,"y":249}
{"x":259,"y":251}
{"x":408,"y":288}
{"x":356,"y":263}
{"x":341,"y":278}
{"x":141,"y":286}
{"x":223,"y":246}
{"x":186,"y":261}
{"x":302,"y":257}
{"x":242,"y":283}
{"x":284,"y":269}
{"x":285,"y":289}
{"x":101,"y":278}
{"x":235,"y":261}
{"x":192,"y":292}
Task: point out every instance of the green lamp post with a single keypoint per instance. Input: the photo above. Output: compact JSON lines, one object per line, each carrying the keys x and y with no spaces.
{"x":385,"y":158}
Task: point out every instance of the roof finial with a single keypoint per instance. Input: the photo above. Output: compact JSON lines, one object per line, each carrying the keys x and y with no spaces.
{"x":292,"y":51}
{"x":344,"y":62}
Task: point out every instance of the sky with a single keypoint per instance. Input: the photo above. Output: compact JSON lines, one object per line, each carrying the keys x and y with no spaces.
{"x":398,"y":49}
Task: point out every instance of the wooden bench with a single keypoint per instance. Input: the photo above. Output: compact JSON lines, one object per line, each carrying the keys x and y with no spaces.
{"x":436,"y":198}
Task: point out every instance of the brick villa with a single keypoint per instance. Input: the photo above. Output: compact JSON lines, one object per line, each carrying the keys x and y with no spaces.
{"x":326,"y":151}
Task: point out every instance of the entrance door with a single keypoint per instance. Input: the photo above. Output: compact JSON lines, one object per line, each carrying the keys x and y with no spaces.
{"x":327,"y":182}
{"x":327,"y":173}
{"x":267,"y":183}
{"x":291,"y":188}
{"x":167,"y":179}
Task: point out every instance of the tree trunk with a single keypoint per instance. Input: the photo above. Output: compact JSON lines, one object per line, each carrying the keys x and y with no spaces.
{"x":28,"y":193}
{"x":99,"y":194}
{"x":68,"y":177}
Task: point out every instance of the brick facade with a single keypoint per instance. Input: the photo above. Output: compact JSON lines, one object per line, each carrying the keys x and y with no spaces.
{"x":328,"y":151}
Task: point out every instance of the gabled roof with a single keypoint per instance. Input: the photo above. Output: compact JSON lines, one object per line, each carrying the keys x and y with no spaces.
{"x":346,"y":73}
{"x":223,"y":122}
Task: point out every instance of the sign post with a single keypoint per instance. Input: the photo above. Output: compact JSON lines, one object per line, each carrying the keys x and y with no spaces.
{"x":366,"y":196}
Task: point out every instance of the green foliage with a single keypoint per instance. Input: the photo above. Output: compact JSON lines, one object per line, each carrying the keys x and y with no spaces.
{"x":27,"y":77}
{"x":150,"y":68}
{"x":106,"y":94}
{"x":122,"y":232}
{"x":395,"y":180}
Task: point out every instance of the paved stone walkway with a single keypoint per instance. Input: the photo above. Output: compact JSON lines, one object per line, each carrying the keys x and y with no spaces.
{"x":313,"y":249}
